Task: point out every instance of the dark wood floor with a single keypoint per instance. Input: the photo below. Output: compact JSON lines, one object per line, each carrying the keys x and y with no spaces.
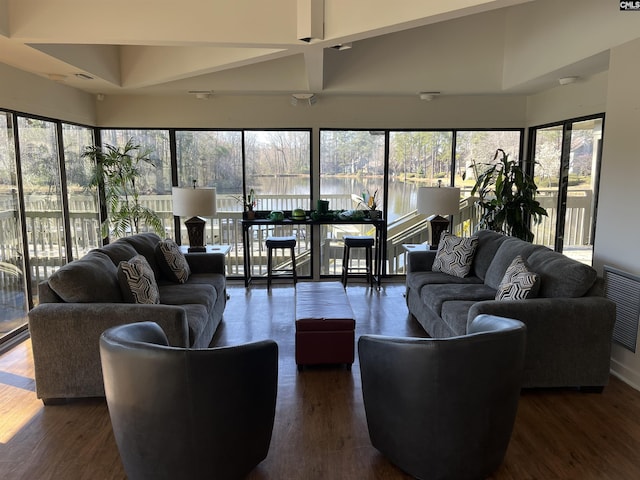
{"x":320,"y":431}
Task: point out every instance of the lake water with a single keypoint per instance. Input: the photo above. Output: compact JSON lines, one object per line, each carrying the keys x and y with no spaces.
{"x":402,"y":195}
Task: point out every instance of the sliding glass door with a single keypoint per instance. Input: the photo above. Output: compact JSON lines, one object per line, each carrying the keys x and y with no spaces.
{"x":567,"y":164}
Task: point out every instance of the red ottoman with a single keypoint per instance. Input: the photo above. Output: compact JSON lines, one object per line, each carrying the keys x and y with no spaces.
{"x":325,"y":324}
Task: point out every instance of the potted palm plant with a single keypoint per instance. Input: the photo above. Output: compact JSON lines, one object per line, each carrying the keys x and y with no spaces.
{"x":507,"y":198}
{"x":117,"y":170}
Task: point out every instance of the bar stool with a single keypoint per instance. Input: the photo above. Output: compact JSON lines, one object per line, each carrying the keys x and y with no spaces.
{"x":357,"y":242}
{"x":283,"y":243}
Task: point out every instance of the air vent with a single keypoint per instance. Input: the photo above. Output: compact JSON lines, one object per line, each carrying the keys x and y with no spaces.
{"x":84,"y":76}
{"x":624,"y":290}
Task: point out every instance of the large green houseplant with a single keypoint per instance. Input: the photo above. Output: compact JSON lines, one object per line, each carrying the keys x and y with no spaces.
{"x":507,"y":200}
{"x":116,"y":173}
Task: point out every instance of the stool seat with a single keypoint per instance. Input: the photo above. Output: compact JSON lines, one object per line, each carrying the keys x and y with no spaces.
{"x":274,"y":243}
{"x":281,"y":242}
{"x":353,"y":241}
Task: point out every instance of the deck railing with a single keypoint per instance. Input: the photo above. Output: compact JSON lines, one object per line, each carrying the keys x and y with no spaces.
{"x":47,"y":252}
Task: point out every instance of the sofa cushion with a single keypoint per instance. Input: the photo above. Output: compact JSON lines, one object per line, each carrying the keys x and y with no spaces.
{"x":172,"y":262}
{"x":561,"y":276}
{"x":488,"y":243}
{"x":505,"y":254}
{"x":182,"y":294}
{"x":118,"y":251}
{"x":137,"y":281}
{"x":416,"y":280}
{"x":433,"y":296}
{"x":145,"y":245}
{"x":92,"y":278}
{"x":455,"y":315}
{"x":518,"y":282}
{"x":455,"y":255}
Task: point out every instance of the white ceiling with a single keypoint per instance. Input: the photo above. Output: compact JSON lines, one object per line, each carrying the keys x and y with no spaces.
{"x":245,"y":47}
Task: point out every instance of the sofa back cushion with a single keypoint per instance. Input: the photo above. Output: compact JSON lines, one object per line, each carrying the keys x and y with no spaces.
{"x":92,"y":278}
{"x":506,"y":252}
{"x":488,"y":243}
{"x":119,"y":251}
{"x":145,"y":245}
{"x":560,"y":276}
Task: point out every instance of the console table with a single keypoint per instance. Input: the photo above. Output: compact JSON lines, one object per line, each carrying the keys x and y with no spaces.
{"x":379,"y":239}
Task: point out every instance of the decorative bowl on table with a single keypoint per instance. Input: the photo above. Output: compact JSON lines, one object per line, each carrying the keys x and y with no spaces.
{"x":276,"y":216}
{"x":298,"y":214}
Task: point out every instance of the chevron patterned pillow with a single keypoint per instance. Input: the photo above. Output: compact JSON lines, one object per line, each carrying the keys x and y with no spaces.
{"x":172,"y":261}
{"x":518,"y":282}
{"x":137,"y":282}
{"x":455,"y":255}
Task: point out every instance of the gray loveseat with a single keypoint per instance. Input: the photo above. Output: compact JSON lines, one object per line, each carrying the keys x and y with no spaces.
{"x":84,"y":298}
{"x":569,"y":321}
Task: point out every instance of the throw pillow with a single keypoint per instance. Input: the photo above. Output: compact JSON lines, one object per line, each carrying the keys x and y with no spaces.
{"x":518,"y":282}
{"x":173,"y":263}
{"x":137,"y":282}
{"x":455,"y":255}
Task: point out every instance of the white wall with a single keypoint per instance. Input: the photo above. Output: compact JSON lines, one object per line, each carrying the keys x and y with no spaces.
{"x":276,"y":111}
{"x":585,"y":97}
{"x":28,"y":93}
{"x":618,"y":228}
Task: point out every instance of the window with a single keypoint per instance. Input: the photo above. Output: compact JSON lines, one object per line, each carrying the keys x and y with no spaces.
{"x":278,"y":170}
{"x":13,"y":301}
{"x":83,"y":202}
{"x":154,"y":183}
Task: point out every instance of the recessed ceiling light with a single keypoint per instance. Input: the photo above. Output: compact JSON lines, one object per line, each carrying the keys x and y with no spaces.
{"x":310,"y":98}
{"x":567,"y":80}
{"x":428,"y":96}
{"x":201,"y":94}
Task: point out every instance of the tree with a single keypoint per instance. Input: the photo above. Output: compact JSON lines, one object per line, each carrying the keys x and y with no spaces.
{"x":116,"y":173}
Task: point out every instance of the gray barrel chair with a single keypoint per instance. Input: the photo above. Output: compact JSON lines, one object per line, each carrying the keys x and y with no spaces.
{"x":188,"y":413}
{"x":444,"y":408}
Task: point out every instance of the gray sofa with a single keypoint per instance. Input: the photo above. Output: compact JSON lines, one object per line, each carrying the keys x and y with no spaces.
{"x":569,"y":321}
{"x":84,"y":298}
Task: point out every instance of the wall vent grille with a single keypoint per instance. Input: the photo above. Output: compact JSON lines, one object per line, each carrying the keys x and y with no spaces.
{"x":624,"y":290}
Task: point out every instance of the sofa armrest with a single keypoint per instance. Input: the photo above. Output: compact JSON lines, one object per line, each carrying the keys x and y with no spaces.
{"x":206,"y":262}
{"x":80,"y":319}
{"x":568,"y":339}
{"x":574,"y":313}
{"x":420,"y":261}
{"x":65,"y":339}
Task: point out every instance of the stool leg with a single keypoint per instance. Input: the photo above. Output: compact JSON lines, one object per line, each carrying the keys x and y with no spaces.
{"x":293,"y":264}
{"x":269,"y":250}
{"x":369,"y":266}
{"x":345,"y":265}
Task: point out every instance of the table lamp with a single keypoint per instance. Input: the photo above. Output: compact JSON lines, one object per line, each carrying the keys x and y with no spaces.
{"x":437,"y":201}
{"x":194,"y":203}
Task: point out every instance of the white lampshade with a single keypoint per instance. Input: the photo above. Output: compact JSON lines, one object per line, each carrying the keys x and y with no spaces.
{"x":194,"y":202}
{"x":438,"y":200}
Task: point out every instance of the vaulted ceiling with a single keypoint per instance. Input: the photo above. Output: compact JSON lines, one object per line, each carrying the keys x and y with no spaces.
{"x":244,"y":47}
